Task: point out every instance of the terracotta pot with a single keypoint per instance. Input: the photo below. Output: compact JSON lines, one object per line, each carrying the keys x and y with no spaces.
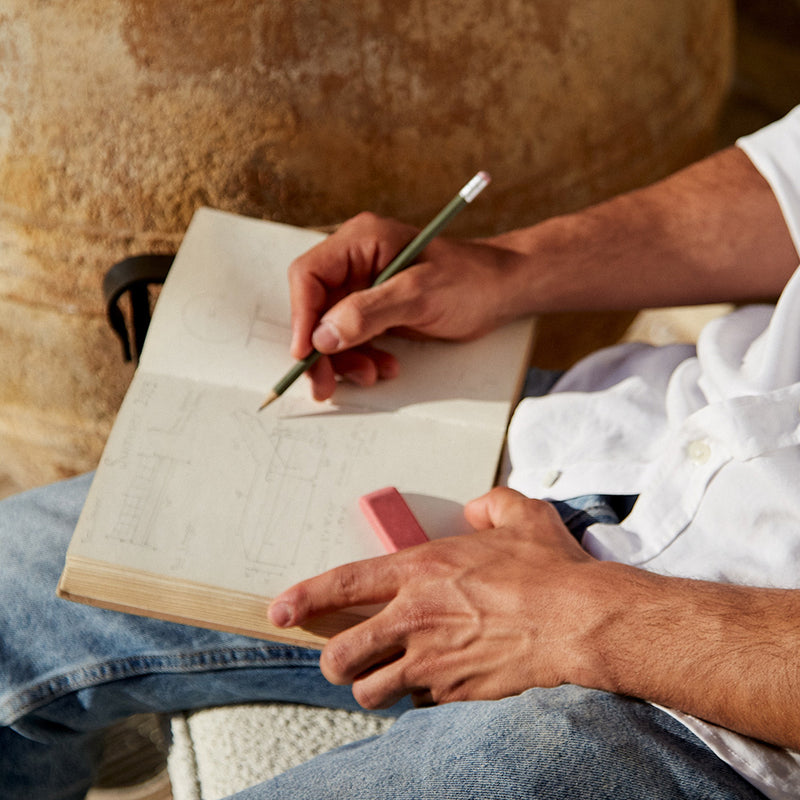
{"x":119,"y":117}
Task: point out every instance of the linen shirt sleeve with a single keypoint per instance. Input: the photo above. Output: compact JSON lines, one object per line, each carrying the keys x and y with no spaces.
{"x":775,"y":152}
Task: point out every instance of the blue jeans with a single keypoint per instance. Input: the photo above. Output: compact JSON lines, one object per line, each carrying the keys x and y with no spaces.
{"x":67,"y":671}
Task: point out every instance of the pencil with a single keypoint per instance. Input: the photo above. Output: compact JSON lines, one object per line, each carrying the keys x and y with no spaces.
{"x":402,"y":260}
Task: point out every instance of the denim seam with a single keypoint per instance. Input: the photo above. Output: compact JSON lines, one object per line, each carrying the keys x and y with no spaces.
{"x":24,"y":701}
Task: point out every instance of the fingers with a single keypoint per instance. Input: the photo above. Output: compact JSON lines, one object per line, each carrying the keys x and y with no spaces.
{"x":323,"y":379}
{"x":347,"y":261}
{"x":368,"y":654}
{"x":308,"y":300}
{"x":334,"y":310}
{"x":366,"y":314}
{"x":366,"y":582}
{"x":372,"y":657}
{"x":364,"y":367}
{"x":359,"y":650}
{"x":387,"y":685}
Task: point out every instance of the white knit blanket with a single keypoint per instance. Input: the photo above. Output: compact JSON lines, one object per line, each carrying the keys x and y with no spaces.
{"x":219,"y":751}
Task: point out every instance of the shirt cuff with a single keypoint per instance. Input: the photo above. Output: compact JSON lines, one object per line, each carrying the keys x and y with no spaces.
{"x":775,"y":152}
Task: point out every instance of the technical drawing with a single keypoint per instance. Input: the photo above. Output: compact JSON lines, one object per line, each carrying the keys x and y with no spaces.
{"x":281,"y":491}
{"x":142,"y":500}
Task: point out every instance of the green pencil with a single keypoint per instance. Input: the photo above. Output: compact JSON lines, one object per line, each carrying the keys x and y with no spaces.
{"x":402,"y":260}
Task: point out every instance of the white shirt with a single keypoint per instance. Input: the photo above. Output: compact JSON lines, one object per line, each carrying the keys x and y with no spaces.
{"x":709,"y":440}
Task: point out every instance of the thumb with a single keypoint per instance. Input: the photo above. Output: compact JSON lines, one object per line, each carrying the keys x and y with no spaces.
{"x":365,"y":314}
{"x":498,"y":507}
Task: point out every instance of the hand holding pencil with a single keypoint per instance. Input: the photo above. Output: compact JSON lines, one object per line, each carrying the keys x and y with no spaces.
{"x":342,"y":296}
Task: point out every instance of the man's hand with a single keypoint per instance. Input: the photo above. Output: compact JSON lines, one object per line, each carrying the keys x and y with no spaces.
{"x":692,"y":238}
{"x":481,"y":616}
{"x":518,"y":604}
{"x":457,"y":290}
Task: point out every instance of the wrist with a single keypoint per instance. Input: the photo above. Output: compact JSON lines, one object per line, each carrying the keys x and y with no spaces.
{"x":645,"y":633}
{"x":610,"y":622}
{"x":556,"y":265}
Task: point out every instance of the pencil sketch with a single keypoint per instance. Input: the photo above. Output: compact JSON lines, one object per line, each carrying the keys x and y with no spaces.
{"x":142,"y":499}
{"x":196,"y":485}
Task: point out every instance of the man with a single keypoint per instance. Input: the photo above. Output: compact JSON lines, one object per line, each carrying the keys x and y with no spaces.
{"x":658,"y":658}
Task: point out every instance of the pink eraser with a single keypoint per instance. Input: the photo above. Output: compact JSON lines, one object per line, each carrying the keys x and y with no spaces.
{"x":392,"y":519}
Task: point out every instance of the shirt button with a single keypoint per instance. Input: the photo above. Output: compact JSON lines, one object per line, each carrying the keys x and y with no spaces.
{"x":550,"y":477}
{"x":699,"y":452}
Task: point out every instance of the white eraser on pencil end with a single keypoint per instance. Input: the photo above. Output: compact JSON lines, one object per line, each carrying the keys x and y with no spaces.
{"x":475,"y":186}
{"x":392,"y":519}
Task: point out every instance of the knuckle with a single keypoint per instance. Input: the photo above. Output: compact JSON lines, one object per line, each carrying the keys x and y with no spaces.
{"x":347,"y":583}
{"x":302,"y":601}
{"x":297,"y":269}
{"x":514,"y":501}
{"x":334,"y":662}
{"x":355,"y":317}
{"x":504,"y":495}
{"x":434,"y":561}
{"x":540,"y":508}
{"x":413,"y":292}
{"x":417,"y":619}
{"x":444,"y":687}
{"x":302,"y":270}
{"x":460,"y":690}
{"x":451,"y":694}
{"x":365,"y":696}
{"x":415,"y":284}
{"x":364,"y":225}
{"x":366,"y":219}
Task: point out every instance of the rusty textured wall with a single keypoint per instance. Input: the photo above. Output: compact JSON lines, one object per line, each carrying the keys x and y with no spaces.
{"x":119,"y":117}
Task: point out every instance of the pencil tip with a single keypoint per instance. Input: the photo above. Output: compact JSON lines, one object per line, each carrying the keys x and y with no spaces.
{"x":270,"y":397}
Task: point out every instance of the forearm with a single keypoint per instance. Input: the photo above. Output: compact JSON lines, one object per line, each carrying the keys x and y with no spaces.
{"x":727,"y":654}
{"x":710,"y":233}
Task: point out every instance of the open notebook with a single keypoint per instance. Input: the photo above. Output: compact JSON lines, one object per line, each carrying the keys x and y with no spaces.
{"x":203,"y":508}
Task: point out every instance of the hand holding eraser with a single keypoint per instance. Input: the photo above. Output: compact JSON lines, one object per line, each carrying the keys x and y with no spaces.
{"x":392,"y":519}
